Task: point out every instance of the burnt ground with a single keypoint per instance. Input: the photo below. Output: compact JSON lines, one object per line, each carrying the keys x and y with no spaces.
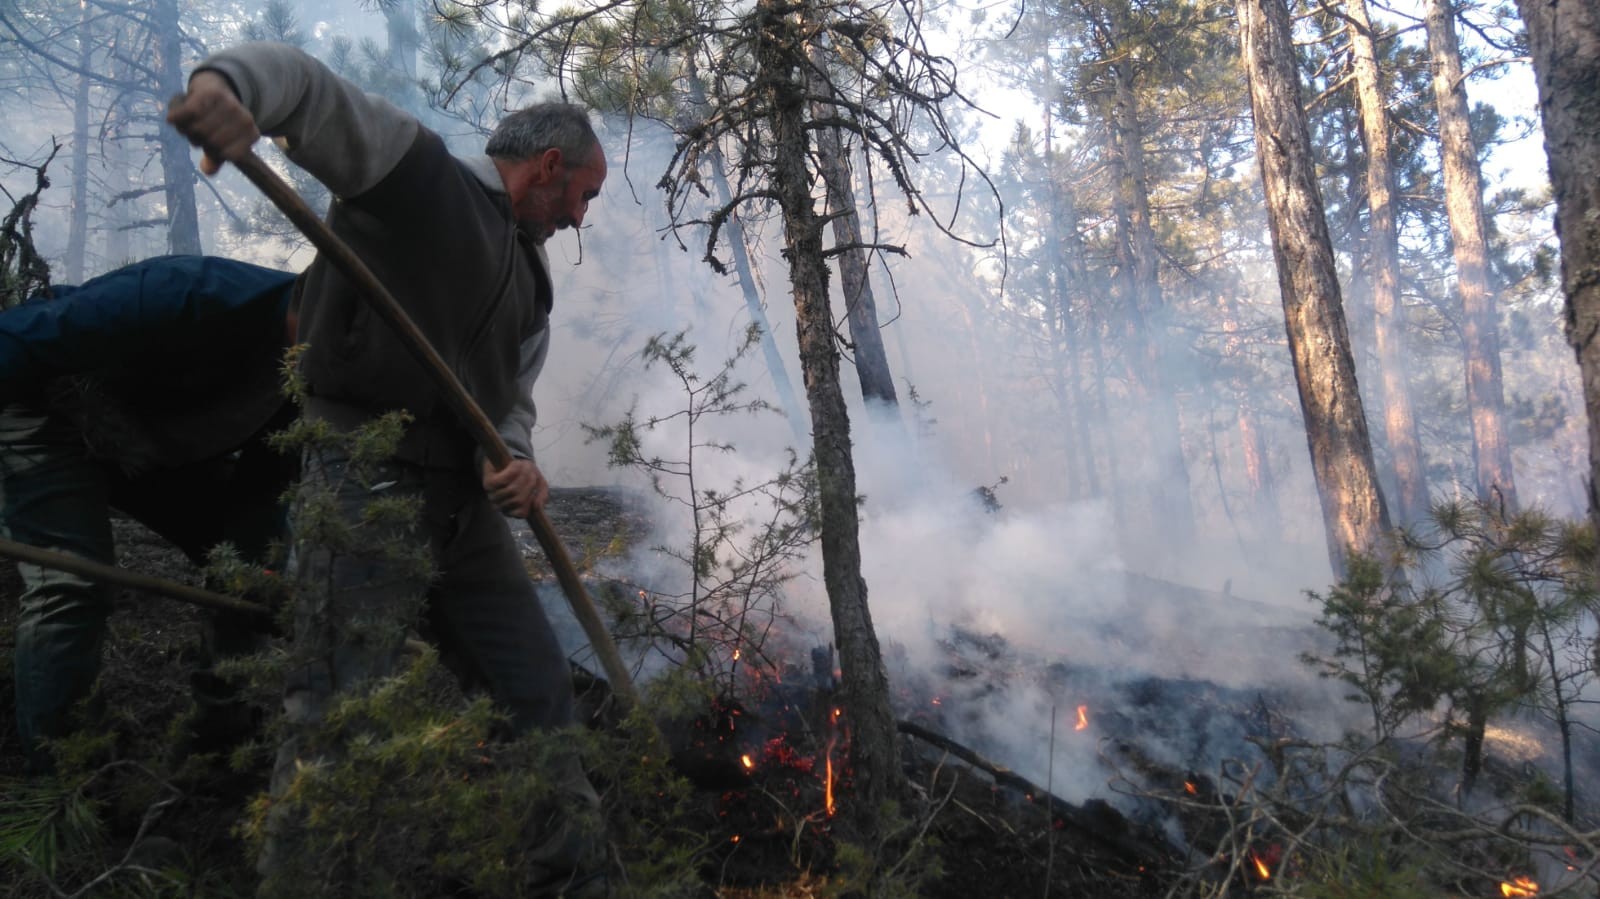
{"x":988,"y":839}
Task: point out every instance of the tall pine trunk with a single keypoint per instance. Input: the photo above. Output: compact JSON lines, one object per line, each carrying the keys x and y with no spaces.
{"x":1336,"y":425}
{"x":1171,"y":506}
{"x":744,"y":269}
{"x":1252,"y":440}
{"x":1383,"y":249}
{"x":1068,"y":280}
{"x":861,"y":309}
{"x":1564,"y":40}
{"x":183,"y":221}
{"x":975,"y":388}
{"x":78,"y":214}
{"x":1480,"y":330}
{"x":873,"y":746}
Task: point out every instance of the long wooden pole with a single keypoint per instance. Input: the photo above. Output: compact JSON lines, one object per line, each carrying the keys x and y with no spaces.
{"x":111,"y":574}
{"x":122,"y":577}
{"x":483,"y":431}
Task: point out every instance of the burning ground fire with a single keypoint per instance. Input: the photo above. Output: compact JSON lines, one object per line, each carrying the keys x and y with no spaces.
{"x":788,"y":759}
{"x":779,"y":764}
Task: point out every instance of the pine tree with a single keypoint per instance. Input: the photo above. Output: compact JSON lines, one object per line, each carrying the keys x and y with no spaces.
{"x":1480,"y":328}
{"x":1336,"y":429}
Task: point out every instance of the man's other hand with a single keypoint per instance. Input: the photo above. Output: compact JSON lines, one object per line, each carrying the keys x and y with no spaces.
{"x":213,"y":119}
{"x":517,"y":489}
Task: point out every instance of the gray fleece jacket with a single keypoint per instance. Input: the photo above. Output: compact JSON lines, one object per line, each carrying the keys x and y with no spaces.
{"x":438,"y":231}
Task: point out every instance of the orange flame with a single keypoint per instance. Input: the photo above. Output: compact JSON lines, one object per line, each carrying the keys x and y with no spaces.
{"x":1083,"y":717}
{"x":1261,"y":867}
{"x":749,"y":763}
{"x":827,"y":782}
{"x":1190,"y":788}
{"x":828,"y":786}
{"x":736,"y":655}
{"x":1522,"y":886}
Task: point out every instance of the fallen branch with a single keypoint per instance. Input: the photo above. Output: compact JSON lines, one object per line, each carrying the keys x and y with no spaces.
{"x":1095,"y":819}
{"x":1300,"y":816}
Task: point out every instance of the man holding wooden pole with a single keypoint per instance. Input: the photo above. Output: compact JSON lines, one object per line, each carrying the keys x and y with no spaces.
{"x":459,"y":243}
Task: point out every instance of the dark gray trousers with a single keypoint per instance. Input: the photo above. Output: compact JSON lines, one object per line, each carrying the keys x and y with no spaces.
{"x":354,"y":608}
{"x":479,"y":607}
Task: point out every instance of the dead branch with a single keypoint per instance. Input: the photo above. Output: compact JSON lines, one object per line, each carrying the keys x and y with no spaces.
{"x":127,"y":864}
{"x":1094,"y":820}
{"x":23,"y":272}
{"x":1313,"y":809}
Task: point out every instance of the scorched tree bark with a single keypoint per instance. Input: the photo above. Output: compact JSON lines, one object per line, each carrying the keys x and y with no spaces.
{"x":1564,"y":40}
{"x":1336,"y":425}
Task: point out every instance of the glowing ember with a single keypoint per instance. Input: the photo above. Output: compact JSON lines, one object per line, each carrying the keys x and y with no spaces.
{"x":1190,"y":788}
{"x":1522,"y":886}
{"x":779,"y":753}
{"x":736,"y":655}
{"x":749,"y":763}
{"x":1083,"y":717}
{"x":1261,"y":867}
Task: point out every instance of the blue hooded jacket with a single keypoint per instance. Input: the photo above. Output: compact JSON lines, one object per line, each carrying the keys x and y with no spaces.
{"x":183,"y":353}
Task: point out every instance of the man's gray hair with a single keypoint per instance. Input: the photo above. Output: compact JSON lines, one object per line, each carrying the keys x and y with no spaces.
{"x":532,"y":130}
